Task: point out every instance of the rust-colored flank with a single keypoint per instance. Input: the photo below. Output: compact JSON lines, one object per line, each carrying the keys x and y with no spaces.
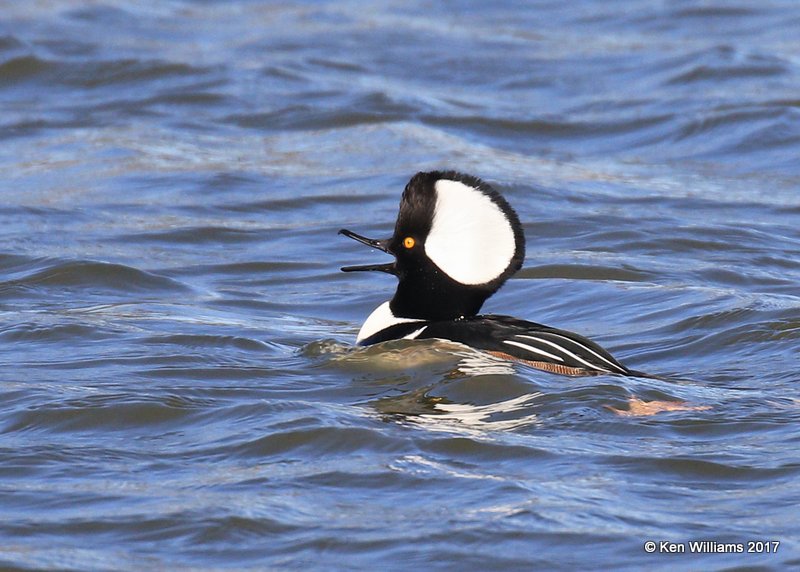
{"x":543,"y":365}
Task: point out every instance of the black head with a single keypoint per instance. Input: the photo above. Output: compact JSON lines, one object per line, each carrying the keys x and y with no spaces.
{"x":456,"y":241}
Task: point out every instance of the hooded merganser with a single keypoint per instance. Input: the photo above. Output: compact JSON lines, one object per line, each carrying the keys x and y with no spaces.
{"x":456,"y":241}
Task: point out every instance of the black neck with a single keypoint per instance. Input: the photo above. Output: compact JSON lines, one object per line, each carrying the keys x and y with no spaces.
{"x":427,"y":293}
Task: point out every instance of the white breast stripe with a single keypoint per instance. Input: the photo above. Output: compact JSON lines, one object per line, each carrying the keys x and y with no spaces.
{"x":532,"y":350}
{"x":590,"y":350}
{"x":561,"y":349}
{"x":381,"y":319}
{"x":413,"y":335}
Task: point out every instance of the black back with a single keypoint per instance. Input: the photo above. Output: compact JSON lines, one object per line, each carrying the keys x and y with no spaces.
{"x":527,"y":341}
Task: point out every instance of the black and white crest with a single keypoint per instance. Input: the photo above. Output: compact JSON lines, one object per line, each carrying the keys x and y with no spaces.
{"x":470,"y":232}
{"x":466,"y":241}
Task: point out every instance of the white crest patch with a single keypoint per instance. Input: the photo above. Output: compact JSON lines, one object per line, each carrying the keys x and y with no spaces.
{"x":380,"y":319}
{"x":471,"y":239}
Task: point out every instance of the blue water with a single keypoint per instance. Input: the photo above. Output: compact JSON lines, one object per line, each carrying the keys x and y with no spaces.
{"x":179,"y":386}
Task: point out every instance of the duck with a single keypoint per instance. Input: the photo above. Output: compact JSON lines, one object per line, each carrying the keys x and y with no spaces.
{"x":456,"y":241}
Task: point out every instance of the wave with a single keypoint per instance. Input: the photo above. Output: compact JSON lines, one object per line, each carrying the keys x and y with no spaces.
{"x":45,"y":276}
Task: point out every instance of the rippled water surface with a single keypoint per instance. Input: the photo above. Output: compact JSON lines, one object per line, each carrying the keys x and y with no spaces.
{"x":178,"y":384}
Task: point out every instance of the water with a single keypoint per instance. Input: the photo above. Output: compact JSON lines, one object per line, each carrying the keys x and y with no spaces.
{"x":178,"y":382}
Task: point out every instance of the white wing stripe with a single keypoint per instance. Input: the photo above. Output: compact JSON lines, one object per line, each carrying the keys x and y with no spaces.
{"x":588,"y":349}
{"x":564,"y":350}
{"x":532,"y":350}
{"x":591,"y":351}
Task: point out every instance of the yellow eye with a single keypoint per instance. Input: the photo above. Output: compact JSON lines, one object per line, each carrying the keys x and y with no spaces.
{"x":409,"y":242}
